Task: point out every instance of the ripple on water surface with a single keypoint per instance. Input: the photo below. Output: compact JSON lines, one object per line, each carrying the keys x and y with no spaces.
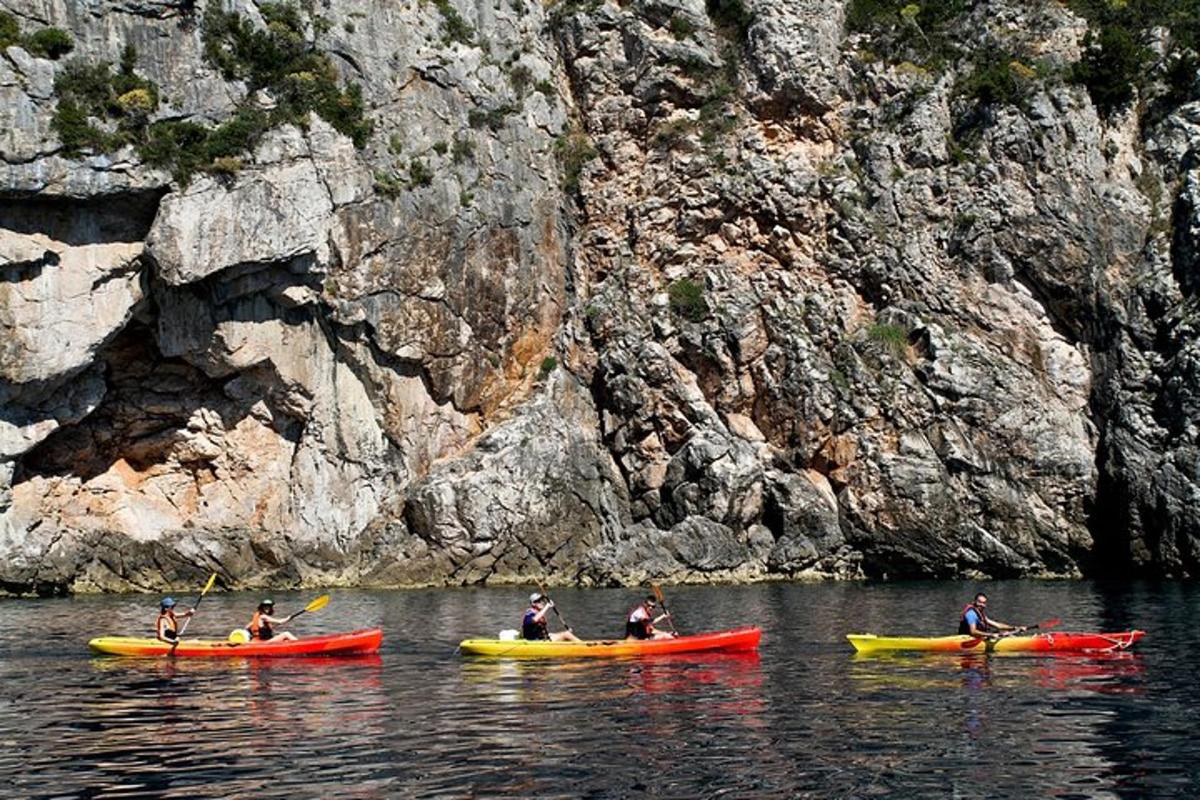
{"x":805,"y":717}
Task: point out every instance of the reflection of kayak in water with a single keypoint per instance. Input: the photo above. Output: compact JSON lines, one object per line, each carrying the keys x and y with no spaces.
{"x":734,"y":640}
{"x":1037,"y":643}
{"x":354,"y":643}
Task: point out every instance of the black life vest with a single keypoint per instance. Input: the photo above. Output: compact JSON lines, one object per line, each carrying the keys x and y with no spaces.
{"x":964,"y":627}
{"x":532,"y":628}
{"x":169,"y":631}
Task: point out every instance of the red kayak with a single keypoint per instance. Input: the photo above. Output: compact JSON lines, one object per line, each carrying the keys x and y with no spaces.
{"x":735,"y":640}
{"x":336,"y":644}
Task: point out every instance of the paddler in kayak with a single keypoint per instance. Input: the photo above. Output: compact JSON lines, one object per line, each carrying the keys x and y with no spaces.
{"x":534,"y":625}
{"x":260,"y":624}
{"x":639,"y":622}
{"x":975,"y":622}
{"x":167,"y":627}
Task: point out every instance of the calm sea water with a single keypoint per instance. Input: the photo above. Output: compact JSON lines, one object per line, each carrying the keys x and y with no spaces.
{"x":803,"y":718}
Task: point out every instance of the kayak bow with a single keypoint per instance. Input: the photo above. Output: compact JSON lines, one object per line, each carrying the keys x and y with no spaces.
{"x":733,"y":640}
{"x":353,"y":643}
{"x":1037,"y":643}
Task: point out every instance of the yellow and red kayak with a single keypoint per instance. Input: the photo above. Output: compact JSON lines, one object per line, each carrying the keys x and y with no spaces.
{"x":337,"y":644}
{"x":733,"y":640}
{"x":1036,"y":643}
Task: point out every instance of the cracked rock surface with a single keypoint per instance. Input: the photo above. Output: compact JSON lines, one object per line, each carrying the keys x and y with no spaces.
{"x":613,"y":292}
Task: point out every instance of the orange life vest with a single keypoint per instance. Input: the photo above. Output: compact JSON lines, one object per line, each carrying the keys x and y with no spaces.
{"x":260,"y":628}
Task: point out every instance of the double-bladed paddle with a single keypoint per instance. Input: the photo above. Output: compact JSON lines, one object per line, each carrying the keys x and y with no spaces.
{"x":203,"y":592}
{"x":1046,"y":625}
{"x":316,"y":605}
{"x":662,"y":601}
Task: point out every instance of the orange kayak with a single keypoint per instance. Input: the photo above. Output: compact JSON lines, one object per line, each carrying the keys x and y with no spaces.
{"x":353,"y":643}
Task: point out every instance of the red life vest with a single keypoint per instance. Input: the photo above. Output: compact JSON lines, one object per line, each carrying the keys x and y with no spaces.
{"x":964,"y":627}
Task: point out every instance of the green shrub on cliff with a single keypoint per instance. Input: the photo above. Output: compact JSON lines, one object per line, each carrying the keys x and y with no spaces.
{"x":50,"y":43}
{"x":100,"y":110}
{"x":686,"y":299}
{"x":1118,"y":60}
{"x":10,"y":32}
{"x":280,"y":60}
{"x":901,"y":30}
{"x":574,"y":151}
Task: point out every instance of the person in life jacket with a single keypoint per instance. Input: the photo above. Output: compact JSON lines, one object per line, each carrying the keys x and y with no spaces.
{"x":260,"y":624}
{"x":974,"y":621}
{"x":167,"y":627}
{"x":534,"y":626}
{"x":639,"y":622}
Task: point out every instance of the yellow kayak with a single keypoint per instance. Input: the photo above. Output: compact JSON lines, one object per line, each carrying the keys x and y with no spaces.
{"x":731,"y":640}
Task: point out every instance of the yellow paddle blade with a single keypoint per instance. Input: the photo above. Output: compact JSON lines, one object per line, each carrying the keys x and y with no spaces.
{"x":318,"y":604}
{"x":210,"y":583}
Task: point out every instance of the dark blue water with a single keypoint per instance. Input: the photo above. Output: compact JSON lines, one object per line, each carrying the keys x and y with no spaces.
{"x":804,"y":718}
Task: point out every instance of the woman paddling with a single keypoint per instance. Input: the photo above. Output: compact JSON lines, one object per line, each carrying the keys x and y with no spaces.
{"x":167,"y":627}
{"x":260,"y":624}
{"x":639,"y":623}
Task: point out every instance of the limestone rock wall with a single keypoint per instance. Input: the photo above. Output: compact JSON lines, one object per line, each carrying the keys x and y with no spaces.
{"x":611,"y":292}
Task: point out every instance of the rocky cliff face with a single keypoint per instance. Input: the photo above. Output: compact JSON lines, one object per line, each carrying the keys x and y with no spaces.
{"x":592,"y":292}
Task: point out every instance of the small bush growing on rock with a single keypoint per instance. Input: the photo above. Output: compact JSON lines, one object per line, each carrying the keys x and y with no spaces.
{"x":574,"y":151}
{"x":681,"y":27}
{"x":10,"y":32}
{"x":1112,"y":64}
{"x":673,"y":133}
{"x":520,"y":76}
{"x":388,"y":185}
{"x":226,"y":165}
{"x":419,"y":174}
{"x":280,"y":60}
{"x":462,"y":149}
{"x":901,"y":30}
{"x":454,"y":27}
{"x":493,"y":118}
{"x":686,"y":299}
{"x":893,"y":338}
{"x":53,"y":43}
{"x":549,"y":363}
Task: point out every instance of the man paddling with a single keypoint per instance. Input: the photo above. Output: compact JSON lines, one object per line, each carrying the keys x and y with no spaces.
{"x":534,"y":625}
{"x":639,"y":623}
{"x":975,"y":622}
{"x":167,"y":627}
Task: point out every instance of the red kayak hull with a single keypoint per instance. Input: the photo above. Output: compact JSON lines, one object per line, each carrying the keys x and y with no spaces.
{"x":353,"y":643}
{"x":730,"y":641}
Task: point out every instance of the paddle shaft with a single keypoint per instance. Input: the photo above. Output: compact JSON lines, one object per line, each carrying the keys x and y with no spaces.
{"x":662,"y":601}
{"x":562,"y":621}
{"x":203,"y":592}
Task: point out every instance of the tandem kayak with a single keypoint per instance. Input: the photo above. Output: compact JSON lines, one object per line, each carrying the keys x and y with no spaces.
{"x":336,"y":644}
{"x":734,"y":640}
{"x":1036,"y":643}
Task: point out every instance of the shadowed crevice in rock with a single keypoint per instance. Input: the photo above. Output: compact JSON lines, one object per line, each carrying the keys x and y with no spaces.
{"x":142,"y":419}
{"x":123,"y":217}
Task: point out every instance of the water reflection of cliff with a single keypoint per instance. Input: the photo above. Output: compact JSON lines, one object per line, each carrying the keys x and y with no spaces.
{"x":169,"y":726}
